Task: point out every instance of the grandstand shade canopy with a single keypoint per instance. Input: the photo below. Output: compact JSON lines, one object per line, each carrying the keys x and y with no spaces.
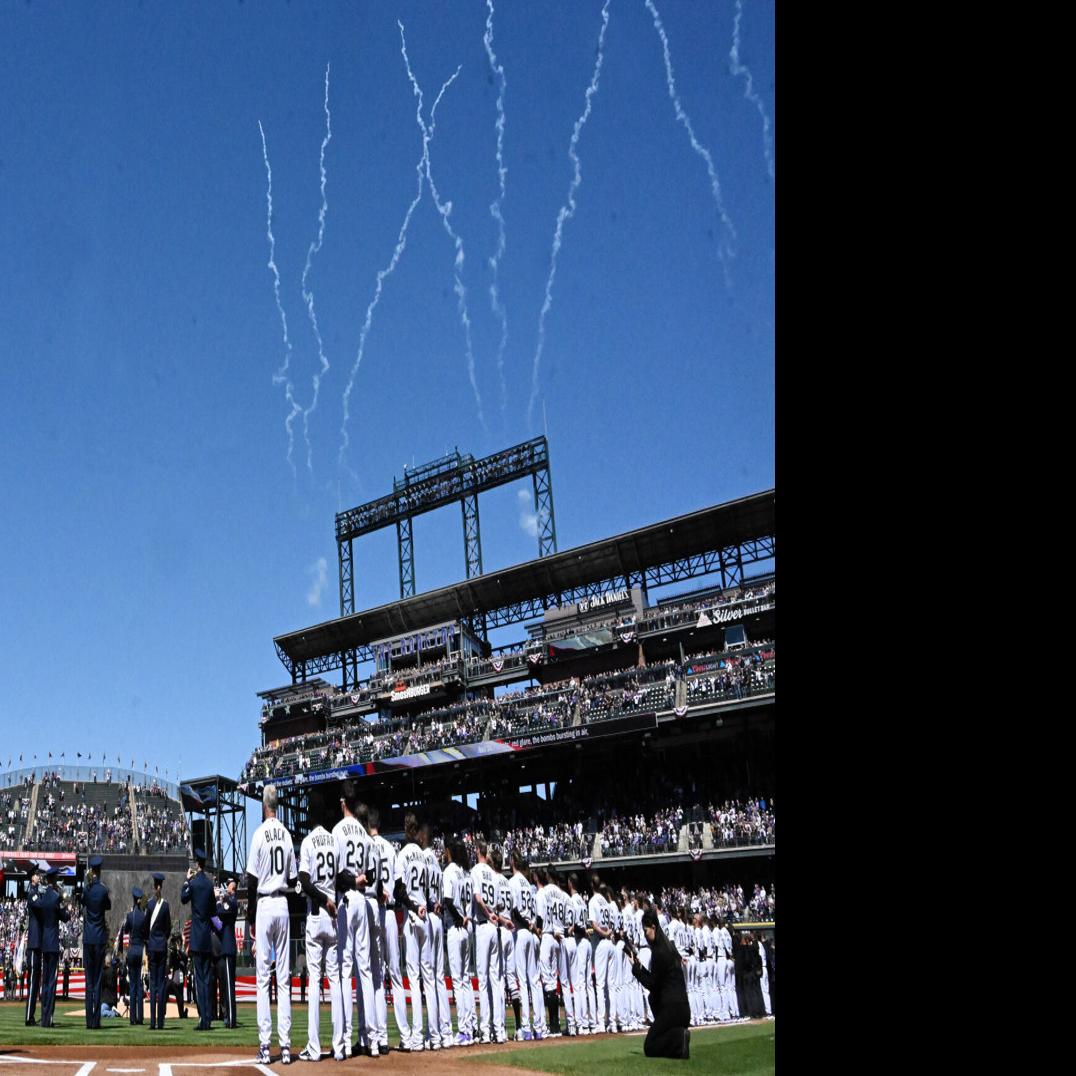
{"x":626,"y":554}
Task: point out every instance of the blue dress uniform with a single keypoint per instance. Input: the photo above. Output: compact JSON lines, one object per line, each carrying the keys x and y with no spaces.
{"x":227,"y":911}
{"x":47,"y":908}
{"x":137,"y":926}
{"x":33,"y":949}
{"x":160,"y":930}
{"x":198,"y":893}
{"x":96,"y":901}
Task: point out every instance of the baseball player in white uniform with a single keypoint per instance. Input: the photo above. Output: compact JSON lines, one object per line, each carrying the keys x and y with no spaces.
{"x":456,"y":913}
{"x":563,"y":935}
{"x":353,"y":921}
{"x":442,"y":1025}
{"x":506,"y":939}
{"x":644,"y":957}
{"x":549,"y":948}
{"x":730,"y":1007}
{"x":271,"y":872}
{"x":487,"y":951}
{"x":583,"y":964}
{"x":531,"y":1019}
{"x":317,"y":876}
{"x":765,"y":981}
{"x":388,"y":942}
{"x":411,"y":892}
{"x":601,"y":922}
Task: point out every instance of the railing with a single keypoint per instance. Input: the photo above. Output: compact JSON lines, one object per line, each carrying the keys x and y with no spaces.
{"x":84,"y":775}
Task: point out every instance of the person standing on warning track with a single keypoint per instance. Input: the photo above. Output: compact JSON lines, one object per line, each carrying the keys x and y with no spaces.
{"x":411,"y":885}
{"x":271,"y":872}
{"x":353,"y":921}
{"x":317,"y":876}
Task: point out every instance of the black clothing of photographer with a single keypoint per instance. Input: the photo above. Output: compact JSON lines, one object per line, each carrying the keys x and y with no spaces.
{"x":668,"y":1035}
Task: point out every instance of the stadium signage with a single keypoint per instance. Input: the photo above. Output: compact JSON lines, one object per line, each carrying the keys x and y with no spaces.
{"x":402,"y":692}
{"x":726,"y":616}
{"x":586,"y":732}
{"x":609,"y":598}
{"x":412,"y":644}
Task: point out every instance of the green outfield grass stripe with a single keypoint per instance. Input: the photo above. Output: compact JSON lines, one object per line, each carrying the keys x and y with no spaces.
{"x":735,"y":1051}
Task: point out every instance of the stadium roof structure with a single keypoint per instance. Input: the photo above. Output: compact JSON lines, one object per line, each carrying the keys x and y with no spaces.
{"x":720,"y":539}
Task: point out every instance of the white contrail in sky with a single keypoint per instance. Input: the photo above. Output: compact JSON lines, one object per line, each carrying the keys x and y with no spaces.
{"x":401,"y":243}
{"x":749,"y":89}
{"x":701,"y":150}
{"x":495,"y":209}
{"x":566,"y":211}
{"x":282,"y":374}
{"x":445,"y":209}
{"x":308,"y":296}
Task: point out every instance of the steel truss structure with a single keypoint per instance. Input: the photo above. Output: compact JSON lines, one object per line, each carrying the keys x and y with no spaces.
{"x":454,"y":477}
{"x":728,"y":561}
{"x":222,"y":805}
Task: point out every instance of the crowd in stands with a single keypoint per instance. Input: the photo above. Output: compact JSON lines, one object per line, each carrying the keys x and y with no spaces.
{"x":727,"y":901}
{"x":13,"y":926}
{"x":734,"y":824}
{"x":162,"y":826}
{"x":537,"y":708}
{"x":637,"y":834}
{"x":82,"y":826}
{"x":542,"y":844}
{"x":14,"y":808}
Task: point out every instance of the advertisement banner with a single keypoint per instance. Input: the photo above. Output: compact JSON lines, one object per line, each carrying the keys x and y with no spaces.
{"x":574,"y":733}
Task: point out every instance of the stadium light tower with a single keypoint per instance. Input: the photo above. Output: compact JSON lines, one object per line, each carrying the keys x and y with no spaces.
{"x":453,"y":477}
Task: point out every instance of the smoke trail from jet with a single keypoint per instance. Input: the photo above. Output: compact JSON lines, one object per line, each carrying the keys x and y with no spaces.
{"x":445,"y":209}
{"x":566,"y":211}
{"x":715,"y":184}
{"x":308,"y":296}
{"x":749,"y":89}
{"x":401,"y":244}
{"x":495,"y":209}
{"x":281,"y":376}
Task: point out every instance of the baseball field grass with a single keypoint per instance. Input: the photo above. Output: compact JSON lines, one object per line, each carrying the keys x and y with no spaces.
{"x":740,"y":1050}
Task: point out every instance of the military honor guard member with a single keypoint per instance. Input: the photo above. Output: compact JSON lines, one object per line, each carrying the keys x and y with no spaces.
{"x":199,"y":893}
{"x":95,"y":902}
{"x":227,"y":913}
{"x":136,"y":927}
{"x":159,"y":931}
{"x":33,"y":947}
{"x":47,"y":908}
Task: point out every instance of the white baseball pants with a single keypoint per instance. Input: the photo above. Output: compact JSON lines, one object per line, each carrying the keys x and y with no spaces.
{"x":273,"y":936}
{"x":322,"y":960}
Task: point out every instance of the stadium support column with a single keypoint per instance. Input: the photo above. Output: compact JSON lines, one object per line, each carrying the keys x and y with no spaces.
{"x":543,"y":511}
{"x":407,"y":557}
{"x":347,"y":576}
{"x":472,"y":546}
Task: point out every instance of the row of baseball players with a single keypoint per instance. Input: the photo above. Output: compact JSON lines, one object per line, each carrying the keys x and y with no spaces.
{"x":374,"y":913}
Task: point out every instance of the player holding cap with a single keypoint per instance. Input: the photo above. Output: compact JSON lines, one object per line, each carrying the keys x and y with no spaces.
{"x":271,"y":872}
{"x":317,"y":876}
{"x":442,"y":1024}
{"x":532,"y":1016}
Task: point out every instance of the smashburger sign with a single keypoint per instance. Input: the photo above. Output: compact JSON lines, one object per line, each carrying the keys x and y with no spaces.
{"x":402,"y":691}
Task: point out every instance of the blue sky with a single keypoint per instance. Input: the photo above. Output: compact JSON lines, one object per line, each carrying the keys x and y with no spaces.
{"x":155,"y":536}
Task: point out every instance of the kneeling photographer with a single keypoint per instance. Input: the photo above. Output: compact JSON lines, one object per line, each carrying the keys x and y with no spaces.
{"x":668,"y":1035}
